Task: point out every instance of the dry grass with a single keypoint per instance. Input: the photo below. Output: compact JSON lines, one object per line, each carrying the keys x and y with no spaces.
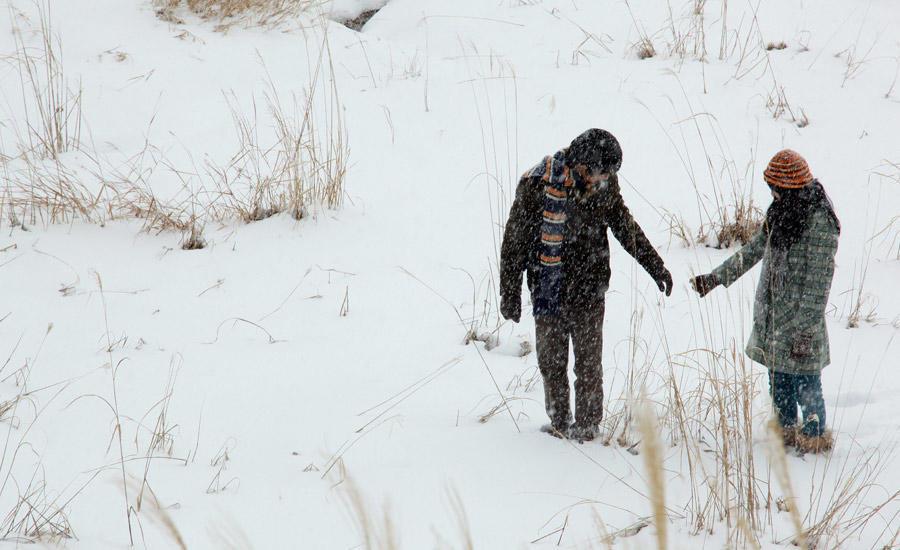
{"x":678,"y":228}
{"x":688,"y":32}
{"x":462,"y":519}
{"x":36,"y":518}
{"x":889,"y":170}
{"x":227,"y":12}
{"x":698,"y":16}
{"x":159,"y":515}
{"x":862,"y":304}
{"x":45,"y":192}
{"x":715,"y":423}
{"x":34,"y":515}
{"x":652,"y":450}
{"x":377,"y":530}
{"x":219,"y":463}
{"x":754,"y":55}
{"x":377,"y":533}
{"x":39,"y":514}
{"x":837,"y":510}
{"x":163,"y":432}
{"x":619,"y":418}
{"x":735,"y":224}
{"x":585,"y":51}
{"x":39,"y":188}
{"x":712,"y":424}
{"x":305,"y":164}
{"x":855,"y":60}
{"x":7,"y":407}
{"x":643,"y":47}
{"x":113,"y":403}
{"x":788,"y":502}
{"x":890,"y":236}
{"x":778,"y":105}
{"x":52,"y":109}
{"x":493,"y":83}
{"x":193,"y":238}
{"x":890,"y":90}
{"x":717,"y":429}
{"x":161,"y":444}
{"x":301,"y":168}
{"x":727,"y":214}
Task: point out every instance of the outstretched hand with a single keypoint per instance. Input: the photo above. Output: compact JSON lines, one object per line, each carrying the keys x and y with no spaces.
{"x":664,"y":282}
{"x":704,"y":284}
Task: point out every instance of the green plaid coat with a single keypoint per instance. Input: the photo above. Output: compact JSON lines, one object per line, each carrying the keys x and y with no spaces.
{"x":789,"y":333}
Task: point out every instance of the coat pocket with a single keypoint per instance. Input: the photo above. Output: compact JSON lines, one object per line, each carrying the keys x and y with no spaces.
{"x":802,"y":346}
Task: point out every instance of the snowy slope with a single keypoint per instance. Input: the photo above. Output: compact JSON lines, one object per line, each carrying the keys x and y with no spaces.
{"x":325,"y":356}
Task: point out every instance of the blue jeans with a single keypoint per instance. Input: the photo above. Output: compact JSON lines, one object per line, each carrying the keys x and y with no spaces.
{"x":790,"y":390}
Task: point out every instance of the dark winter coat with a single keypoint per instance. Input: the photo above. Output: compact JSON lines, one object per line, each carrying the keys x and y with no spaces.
{"x":586,"y":250}
{"x":789,"y":333}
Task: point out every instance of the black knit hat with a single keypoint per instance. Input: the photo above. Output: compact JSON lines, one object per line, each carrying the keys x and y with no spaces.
{"x":597,"y":149}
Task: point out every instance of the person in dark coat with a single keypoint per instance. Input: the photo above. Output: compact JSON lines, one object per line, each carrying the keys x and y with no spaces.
{"x":796,"y":243}
{"x":556,"y":233}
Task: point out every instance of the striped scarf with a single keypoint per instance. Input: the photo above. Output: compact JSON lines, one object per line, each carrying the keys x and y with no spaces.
{"x":557,"y":182}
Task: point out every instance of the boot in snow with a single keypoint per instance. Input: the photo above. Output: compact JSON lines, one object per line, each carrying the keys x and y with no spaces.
{"x":583,"y":432}
{"x":789,"y":436}
{"x":815,"y":443}
{"x":560,"y":432}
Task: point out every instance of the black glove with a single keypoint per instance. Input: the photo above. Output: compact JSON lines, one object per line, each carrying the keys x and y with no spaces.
{"x":704,"y":284}
{"x":511,"y":308}
{"x":664,"y":282}
{"x":802,"y":346}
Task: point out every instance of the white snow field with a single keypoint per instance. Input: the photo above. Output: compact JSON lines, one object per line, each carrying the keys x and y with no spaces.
{"x":310,"y":384}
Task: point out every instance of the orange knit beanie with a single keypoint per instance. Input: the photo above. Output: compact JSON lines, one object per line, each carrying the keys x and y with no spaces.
{"x":788,"y":170}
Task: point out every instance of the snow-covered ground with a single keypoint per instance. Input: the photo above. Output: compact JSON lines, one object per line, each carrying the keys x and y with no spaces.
{"x":316,"y":371}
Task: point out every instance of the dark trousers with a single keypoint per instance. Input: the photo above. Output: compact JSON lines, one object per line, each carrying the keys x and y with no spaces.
{"x":585,"y":328}
{"x":790,"y":390}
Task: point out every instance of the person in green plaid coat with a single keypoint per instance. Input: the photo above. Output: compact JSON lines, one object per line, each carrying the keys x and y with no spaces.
{"x":796,"y":243}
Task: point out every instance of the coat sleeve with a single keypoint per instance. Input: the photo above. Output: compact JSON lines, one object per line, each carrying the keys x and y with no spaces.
{"x":818,"y":273}
{"x":517,"y":237}
{"x":630,"y":235}
{"x":743,"y":260}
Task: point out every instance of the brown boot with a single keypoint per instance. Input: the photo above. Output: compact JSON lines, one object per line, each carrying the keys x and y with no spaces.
{"x":789,"y":436}
{"x":814,"y":444}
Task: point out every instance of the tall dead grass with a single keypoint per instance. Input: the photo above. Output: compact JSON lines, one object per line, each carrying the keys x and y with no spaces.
{"x":303,"y":165}
{"x":493,"y":83}
{"x":708,"y":419}
{"x":619,"y":419}
{"x":39,"y":188}
{"x":715,"y":423}
{"x":52,"y":109}
{"x":712,"y":408}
